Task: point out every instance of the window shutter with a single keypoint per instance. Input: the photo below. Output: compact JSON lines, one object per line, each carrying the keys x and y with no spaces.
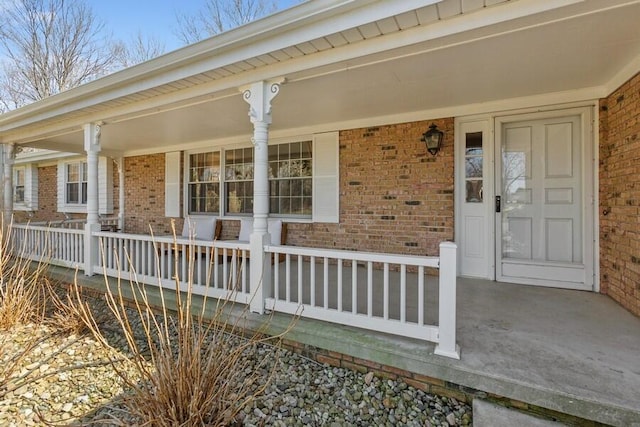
{"x":31,"y":187}
{"x":105,"y":185}
{"x":61,"y":187}
{"x":172,"y":184}
{"x":326,"y":177}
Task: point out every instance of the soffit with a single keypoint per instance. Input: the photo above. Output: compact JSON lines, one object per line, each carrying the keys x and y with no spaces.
{"x":421,"y":17}
{"x":533,"y":55}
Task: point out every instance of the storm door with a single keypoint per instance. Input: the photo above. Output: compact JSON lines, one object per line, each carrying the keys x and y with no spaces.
{"x":541,"y":203}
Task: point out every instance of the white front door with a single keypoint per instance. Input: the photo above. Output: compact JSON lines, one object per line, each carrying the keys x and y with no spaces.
{"x":543,"y":192}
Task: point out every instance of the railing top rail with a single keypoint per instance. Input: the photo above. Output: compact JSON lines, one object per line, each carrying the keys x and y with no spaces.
{"x":357,"y":256}
{"x":48,"y":229}
{"x":227,"y":244}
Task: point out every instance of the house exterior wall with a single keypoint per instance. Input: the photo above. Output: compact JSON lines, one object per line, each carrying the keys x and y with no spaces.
{"x":144,"y":195}
{"x":620,"y":195}
{"x":48,"y":198}
{"x":395,"y":197}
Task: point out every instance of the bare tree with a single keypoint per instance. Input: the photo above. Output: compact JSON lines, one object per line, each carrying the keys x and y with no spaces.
{"x":217,"y":16}
{"x":49,"y":46}
{"x":141,"y":48}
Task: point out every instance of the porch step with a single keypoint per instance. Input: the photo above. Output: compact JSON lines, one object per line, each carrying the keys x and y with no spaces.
{"x":487,"y":414}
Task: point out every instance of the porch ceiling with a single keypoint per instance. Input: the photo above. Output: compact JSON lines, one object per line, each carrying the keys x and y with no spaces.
{"x":445,"y":65}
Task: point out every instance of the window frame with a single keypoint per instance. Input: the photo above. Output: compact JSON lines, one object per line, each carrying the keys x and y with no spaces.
{"x":16,"y":172}
{"x":82,"y":184}
{"x":189,"y":182}
{"x":302,"y":179}
{"x":223,"y":181}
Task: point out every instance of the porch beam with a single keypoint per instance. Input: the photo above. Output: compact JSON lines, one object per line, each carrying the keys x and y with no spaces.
{"x":92,"y":148}
{"x":259,"y":96}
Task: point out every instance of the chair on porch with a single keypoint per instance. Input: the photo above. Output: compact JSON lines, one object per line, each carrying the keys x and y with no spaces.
{"x":276,"y":228}
{"x":203,"y":229}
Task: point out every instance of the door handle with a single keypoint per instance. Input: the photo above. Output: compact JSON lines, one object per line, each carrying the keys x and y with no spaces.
{"x":498,"y":203}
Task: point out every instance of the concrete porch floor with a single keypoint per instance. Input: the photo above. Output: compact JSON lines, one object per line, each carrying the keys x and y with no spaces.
{"x":569,"y":351}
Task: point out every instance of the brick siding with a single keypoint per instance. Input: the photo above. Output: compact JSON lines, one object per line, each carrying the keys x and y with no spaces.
{"x":144,"y":195}
{"x":48,"y":198}
{"x":394,"y":196}
{"x":620,"y":195}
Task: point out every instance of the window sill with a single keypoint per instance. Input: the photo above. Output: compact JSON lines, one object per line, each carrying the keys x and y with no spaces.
{"x":73,"y":209}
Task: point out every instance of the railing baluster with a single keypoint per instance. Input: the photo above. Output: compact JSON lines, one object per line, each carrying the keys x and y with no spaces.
{"x":325,"y":285}
{"x":164,"y":255}
{"x":216,"y":258}
{"x":339,"y":284}
{"x":370,"y":289}
{"x":403,"y":293}
{"x":354,"y":286}
{"x":243,"y":272}
{"x":225,"y":268}
{"x":312,"y":281}
{"x":276,"y":279}
{"x":300,"y":299}
{"x":287,"y":280}
{"x":421,"y":296}
{"x":385,"y":296}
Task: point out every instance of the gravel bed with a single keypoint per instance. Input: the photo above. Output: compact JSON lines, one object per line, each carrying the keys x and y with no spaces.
{"x":70,"y":379}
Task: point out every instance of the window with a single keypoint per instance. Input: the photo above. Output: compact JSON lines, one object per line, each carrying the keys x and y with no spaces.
{"x":473,"y":167}
{"x":72,"y":181}
{"x":18,"y":185}
{"x":238,"y":175}
{"x":76,"y":183}
{"x":204,"y":182}
{"x":291,"y":178}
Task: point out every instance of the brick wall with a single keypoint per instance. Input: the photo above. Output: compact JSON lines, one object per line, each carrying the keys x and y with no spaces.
{"x":144,"y":195}
{"x":48,"y":198}
{"x":620,"y":195}
{"x":394,"y":196}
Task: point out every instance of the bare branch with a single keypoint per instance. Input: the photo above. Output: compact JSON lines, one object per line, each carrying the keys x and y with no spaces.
{"x":217,"y":16}
{"x":49,"y":46}
{"x":139,"y":49}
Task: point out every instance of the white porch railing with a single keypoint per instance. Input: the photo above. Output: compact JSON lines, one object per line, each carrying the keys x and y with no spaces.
{"x":335,"y":286}
{"x":58,"y":246}
{"x":354,"y":293}
{"x":211,"y":268}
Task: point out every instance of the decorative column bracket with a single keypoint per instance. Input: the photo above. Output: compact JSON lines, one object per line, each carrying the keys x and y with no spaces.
{"x":259,"y":96}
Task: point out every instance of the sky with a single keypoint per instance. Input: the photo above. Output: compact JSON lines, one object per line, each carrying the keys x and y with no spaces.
{"x":154,"y":18}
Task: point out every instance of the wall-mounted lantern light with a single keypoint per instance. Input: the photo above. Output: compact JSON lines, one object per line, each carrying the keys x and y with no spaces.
{"x":433,"y":139}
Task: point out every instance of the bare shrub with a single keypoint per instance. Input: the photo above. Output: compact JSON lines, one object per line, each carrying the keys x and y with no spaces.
{"x":194,"y":367}
{"x":22,"y":298}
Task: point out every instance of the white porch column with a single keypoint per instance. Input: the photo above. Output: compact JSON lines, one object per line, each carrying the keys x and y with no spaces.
{"x":259,"y":96}
{"x":9,"y":158}
{"x":92,"y":148}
